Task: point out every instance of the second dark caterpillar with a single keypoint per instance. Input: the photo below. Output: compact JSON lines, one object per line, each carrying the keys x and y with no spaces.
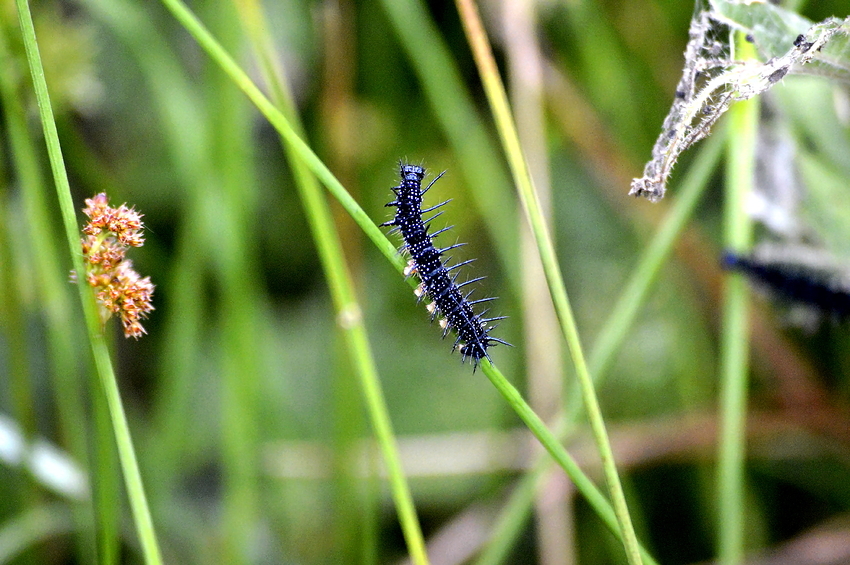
{"x":797,"y":283}
{"x":427,"y":263}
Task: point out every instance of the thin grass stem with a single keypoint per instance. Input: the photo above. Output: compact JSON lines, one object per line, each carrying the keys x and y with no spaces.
{"x":100,"y":351}
{"x":51,"y":283}
{"x":483,"y":55}
{"x":302,"y":151}
{"x":734,"y":346}
{"x":693,"y":187}
{"x":207,"y":42}
{"x":341,"y":286}
{"x":552,"y":445}
{"x":611,"y":336}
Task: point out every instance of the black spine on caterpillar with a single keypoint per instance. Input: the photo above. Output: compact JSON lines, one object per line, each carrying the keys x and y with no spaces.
{"x":472,"y":329}
{"x":794,"y":282}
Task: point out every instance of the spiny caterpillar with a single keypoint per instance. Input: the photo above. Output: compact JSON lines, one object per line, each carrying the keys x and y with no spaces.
{"x":795,"y":282}
{"x":426,"y":262}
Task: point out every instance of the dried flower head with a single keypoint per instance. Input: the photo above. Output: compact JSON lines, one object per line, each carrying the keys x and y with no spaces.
{"x":118,"y":288}
{"x":124,"y":223}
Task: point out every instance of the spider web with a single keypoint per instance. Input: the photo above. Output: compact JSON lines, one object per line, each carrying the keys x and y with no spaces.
{"x":712,"y":80}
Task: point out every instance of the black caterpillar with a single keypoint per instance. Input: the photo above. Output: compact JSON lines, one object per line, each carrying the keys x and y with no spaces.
{"x":795,"y":282}
{"x":472,"y":329}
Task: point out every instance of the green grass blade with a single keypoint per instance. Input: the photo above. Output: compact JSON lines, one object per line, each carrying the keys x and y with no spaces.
{"x":734,"y":346}
{"x":611,"y":336}
{"x":103,"y":363}
{"x":550,"y":442}
{"x":50,"y":279}
{"x":507,"y":130}
{"x":341,"y":285}
{"x":234,"y":258}
{"x":178,"y":107}
{"x":634,"y":295}
{"x":282,"y":125}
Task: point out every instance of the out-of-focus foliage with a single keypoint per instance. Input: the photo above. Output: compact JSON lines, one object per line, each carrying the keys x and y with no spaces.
{"x":244,"y":331}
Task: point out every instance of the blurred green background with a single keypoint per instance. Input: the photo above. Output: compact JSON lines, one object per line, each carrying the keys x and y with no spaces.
{"x":248,"y":423}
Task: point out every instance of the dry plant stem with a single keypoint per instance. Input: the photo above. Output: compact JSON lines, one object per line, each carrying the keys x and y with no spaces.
{"x":349,"y":318}
{"x":103,"y":363}
{"x":554,"y":520}
{"x":735,"y":336}
{"x":498,"y":102}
